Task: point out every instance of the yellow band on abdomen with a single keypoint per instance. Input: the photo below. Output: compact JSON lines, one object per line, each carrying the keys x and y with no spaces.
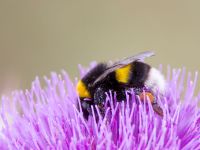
{"x":122,"y":74}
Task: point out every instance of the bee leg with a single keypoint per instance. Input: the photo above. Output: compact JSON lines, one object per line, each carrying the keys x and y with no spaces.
{"x":157,"y":109}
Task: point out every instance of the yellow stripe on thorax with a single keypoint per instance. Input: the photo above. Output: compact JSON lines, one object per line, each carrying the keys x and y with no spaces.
{"x":82,"y":90}
{"x":122,"y":74}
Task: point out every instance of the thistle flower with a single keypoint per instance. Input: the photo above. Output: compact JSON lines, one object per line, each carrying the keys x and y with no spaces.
{"x":48,"y":118}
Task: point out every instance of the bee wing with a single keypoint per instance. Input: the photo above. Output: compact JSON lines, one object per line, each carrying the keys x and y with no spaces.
{"x":122,"y":63}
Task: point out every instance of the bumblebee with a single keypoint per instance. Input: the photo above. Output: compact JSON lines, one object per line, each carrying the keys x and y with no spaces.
{"x":130,"y":72}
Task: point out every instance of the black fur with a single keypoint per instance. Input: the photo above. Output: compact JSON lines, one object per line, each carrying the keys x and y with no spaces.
{"x":139,"y":73}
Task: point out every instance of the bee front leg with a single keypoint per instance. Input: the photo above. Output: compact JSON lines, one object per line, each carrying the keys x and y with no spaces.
{"x":86,"y":108}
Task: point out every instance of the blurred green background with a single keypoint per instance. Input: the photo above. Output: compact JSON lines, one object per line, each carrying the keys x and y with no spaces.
{"x":40,"y":36}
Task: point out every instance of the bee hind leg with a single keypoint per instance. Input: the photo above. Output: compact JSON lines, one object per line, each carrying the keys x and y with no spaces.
{"x":157,"y":109}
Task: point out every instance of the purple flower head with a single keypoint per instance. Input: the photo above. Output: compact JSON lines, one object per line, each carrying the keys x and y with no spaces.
{"x":48,"y":118}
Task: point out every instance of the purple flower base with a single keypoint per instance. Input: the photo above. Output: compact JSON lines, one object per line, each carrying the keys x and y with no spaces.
{"x":47,"y":118}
